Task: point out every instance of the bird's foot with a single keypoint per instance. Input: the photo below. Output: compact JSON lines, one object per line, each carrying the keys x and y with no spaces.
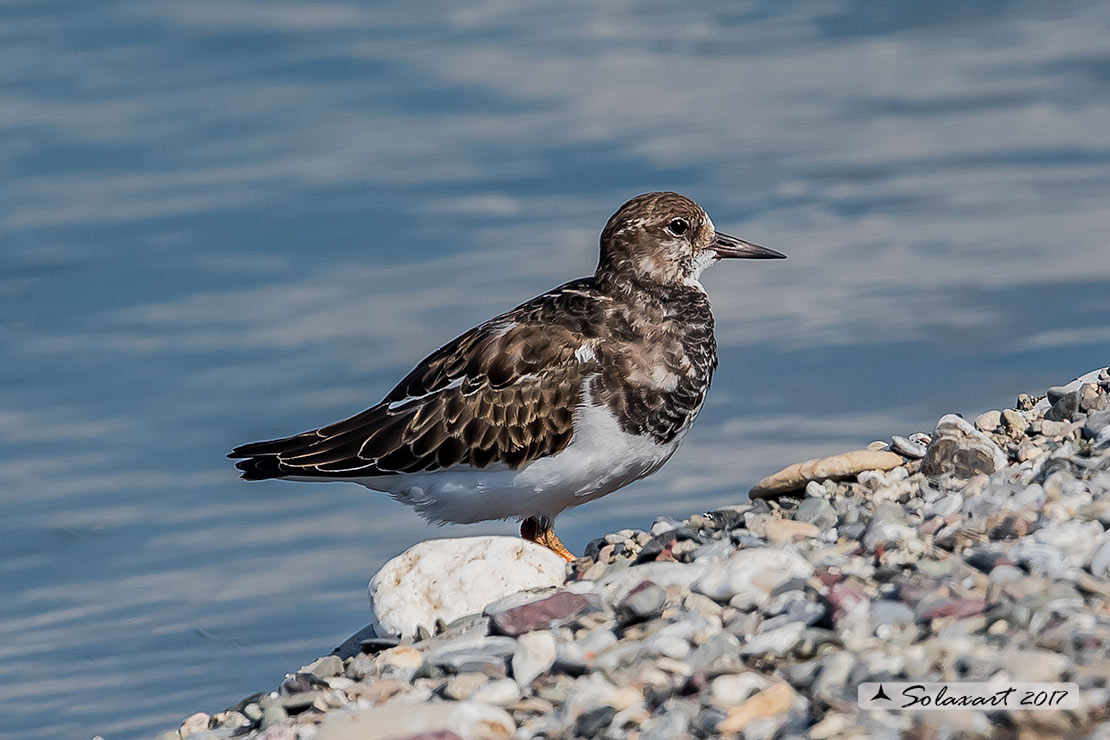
{"x":542,"y":532}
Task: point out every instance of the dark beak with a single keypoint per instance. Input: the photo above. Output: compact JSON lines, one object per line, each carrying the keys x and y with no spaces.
{"x":729,"y":247}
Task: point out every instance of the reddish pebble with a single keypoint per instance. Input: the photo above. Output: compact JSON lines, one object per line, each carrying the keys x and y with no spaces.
{"x":958,"y":608}
{"x":542,"y":614}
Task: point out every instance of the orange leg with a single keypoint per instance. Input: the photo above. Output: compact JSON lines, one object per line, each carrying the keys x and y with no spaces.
{"x":543,"y":533}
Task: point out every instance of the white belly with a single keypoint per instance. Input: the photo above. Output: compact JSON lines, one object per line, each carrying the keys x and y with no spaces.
{"x":600,"y":459}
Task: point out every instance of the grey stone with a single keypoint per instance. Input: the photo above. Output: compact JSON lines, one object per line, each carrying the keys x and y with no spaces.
{"x":1056,"y":392}
{"x":272,"y":714}
{"x":886,"y":611}
{"x":326,"y":667}
{"x":643,"y":602}
{"x":593,"y":722}
{"x":816,"y":511}
{"x":1053,"y":429}
{"x":960,"y":449}
{"x":852,"y":530}
{"x":907,"y":447}
{"x":719,"y":654}
{"x":666,"y":726}
{"x":485,"y":654}
{"x":1100,"y":561}
{"x":1064,"y":408}
{"x":949,"y":504}
{"x":1096,"y":423}
{"x":707,"y":721}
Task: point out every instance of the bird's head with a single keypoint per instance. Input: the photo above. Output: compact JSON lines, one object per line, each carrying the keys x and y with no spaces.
{"x":666,"y":239}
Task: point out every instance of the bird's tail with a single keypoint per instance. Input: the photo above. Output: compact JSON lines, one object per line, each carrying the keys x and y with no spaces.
{"x":260,"y":460}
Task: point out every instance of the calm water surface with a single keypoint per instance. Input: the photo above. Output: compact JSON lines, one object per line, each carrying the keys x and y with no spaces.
{"x":227,"y":220}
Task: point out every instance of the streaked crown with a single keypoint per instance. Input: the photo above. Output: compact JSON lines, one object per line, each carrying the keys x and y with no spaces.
{"x":665,"y":239}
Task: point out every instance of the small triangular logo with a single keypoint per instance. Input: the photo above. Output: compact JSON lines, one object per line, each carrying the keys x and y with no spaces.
{"x":880,"y":694}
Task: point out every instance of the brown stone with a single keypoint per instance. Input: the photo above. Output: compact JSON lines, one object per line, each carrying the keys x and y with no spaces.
{"x":770,"y":702}
{"x":401,"y":657}
{"x":1014,"y":422}
{"x":399,"y":719}
{"x":786,"y":531}
{"x":988,"y":421}
{"x":844,"y":465}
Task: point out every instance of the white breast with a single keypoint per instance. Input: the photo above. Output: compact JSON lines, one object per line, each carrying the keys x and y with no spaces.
{"x":600,"y":459}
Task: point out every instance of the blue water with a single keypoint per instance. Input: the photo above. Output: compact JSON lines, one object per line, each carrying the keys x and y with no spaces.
{"x":228,"y":220}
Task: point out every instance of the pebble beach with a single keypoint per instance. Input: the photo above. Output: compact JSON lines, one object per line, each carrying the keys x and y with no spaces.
{"x":975,"y":551}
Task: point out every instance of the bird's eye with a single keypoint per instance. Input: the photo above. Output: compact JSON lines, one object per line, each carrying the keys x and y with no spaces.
{"x":678,"y":226}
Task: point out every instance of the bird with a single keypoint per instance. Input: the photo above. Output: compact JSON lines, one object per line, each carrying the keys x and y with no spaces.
{"x":568,"y":397}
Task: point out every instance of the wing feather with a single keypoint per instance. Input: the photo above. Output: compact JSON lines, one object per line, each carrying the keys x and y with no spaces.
{"x":503,"y":394}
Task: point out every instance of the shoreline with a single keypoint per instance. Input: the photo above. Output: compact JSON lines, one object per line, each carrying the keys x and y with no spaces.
{"x":979,"y":551}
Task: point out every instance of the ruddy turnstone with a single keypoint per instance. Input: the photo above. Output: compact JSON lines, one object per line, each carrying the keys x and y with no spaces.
{"x":560,"y":401}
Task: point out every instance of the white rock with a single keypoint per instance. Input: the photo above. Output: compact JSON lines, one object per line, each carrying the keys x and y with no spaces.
{"x":669,"y":645}
{"x":1100,"y":561}
{"x":752,"y":574}
{"x":615,"y":586}
{"x":535,"y":652}
{"x":450,"y":578}
{"x":776,"y":641}
{"x":592,"y":691}
{"x":194,"y":723}
{"x":501,"y":692}
{"x":1032,"y":664}
{"x":580,"y":652}
{"x":469,"y":720}
{"x":733,"y":688}
{"x":1076,"y":541}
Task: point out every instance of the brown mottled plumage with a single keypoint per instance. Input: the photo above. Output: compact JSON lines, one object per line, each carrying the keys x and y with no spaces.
{"x":636,"y":339}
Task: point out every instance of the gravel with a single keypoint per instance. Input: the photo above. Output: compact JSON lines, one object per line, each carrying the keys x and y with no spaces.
{"x":983,"y":555}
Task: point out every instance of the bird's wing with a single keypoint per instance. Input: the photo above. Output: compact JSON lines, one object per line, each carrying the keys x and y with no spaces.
{"x":502,"y":394}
